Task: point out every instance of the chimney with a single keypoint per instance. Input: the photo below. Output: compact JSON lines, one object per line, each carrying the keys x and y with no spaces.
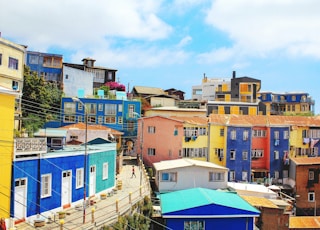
{"x":233,"y":74}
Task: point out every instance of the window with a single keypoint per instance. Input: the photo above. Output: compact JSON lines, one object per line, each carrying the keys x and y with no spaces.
{"x":91,"y":108}
{"x":120,"y":108}
{"x":244,"y":175}
{"x":13,"y":63}
{"x":216,"y":176}
{"x":56,"y":142}
{"x":100,"y":107}
{"x":311,"y":175}
{"x":256,"y":153}
{"x":79,"y":178}
{"x":285,"y":174}
{"x":92,"y":119}
{"x":72,"y":137}
{"x":151,"y":129}
{"x":80,"y":118}
{"x":194,"y":225}
{"x":293,"y":98}
{"x":105,"y":171}
{"x":46,"y":185}
{"x":232,"y":154}
{"x":233,"y":135}
{"x":100,"y":119}
{"x":286,"y":134}
{"x":68,"y":119}
{"x":276,"y":174}
{"x":15,"y":85}
{"x":258,"y":133}
{"x":171,"y":176}
{"x":276,"y":135}
{"x":245,"y":155}
{"x":34,"y":59}
{"x":69,"y":108}
{"x":219,"y":152}
{"x":151,"y":152}
{"x":232,"y":175}
{"x":110,"y":109}
{"x":109,"y":119}
{"x":0,"y":59}
{"x":221,"y":132}
{"x":130,"y":126}
{"x":276,"y":155}
{"x":131,"y":111}
{"x":311,"y":197}
{"x":120,"y":120}
{"x":245,"y":135}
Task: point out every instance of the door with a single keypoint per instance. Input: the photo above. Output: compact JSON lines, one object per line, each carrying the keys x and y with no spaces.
{"x":66,"y":188}
{"x":20,"y":198}
{"x":92,"y":180}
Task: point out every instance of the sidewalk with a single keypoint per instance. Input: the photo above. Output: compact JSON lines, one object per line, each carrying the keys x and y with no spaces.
{"x":102,"y":211}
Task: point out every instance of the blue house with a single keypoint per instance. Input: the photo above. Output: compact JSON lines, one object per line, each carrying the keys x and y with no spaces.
{"x":119,"y":114}
{"x":200,"y":208}
{"x":46,"y":65}
{"x":238,"y":155}
{"x":44,"y":182}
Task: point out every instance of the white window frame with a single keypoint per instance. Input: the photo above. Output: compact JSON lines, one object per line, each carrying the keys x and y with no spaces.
{"x":276,"y":174}
{"x":311,"y":175}
{"x":151,"y":129}
{"x":216,"y":176}
{"x":244,"y":176}
{"x":172,"y":176}
{"x":232,"y":175}
{"x":232,"y":154}
{"x":245,"y":135}
{"x":105,"y":171}
{"x":46,"y":185}
{"x":79,"y":177}
{"x":276,"y":155}
{"x":244,"y":155}
{"x":233,"y":135}
{"x":286,"y":134}
{"x":311,"y":197}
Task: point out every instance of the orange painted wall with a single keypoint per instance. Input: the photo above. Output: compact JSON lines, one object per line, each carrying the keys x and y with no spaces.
{"x":261,"y":143}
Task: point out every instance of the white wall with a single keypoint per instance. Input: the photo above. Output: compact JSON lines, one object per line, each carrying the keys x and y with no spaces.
{"x":75,"y":79}
{"x":191,"y":177}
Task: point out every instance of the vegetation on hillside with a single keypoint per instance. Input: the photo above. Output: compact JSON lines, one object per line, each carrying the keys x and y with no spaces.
{"x":40,"y":101}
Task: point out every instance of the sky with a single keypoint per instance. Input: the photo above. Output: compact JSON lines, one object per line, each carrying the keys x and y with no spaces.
{"x":173,"y":43}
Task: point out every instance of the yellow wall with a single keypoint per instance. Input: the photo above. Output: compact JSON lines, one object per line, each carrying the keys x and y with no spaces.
{"x":6,"y":150}
{"x":216,"y":141}
{"x":253,"y":111}
{"x":10,"y":49}
{"x":296,"y":140}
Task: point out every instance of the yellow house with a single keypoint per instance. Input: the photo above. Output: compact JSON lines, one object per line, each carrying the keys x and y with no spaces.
{"x":7,"y":108}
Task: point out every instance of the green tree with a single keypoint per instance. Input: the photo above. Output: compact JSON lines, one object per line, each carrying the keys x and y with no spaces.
{"x":40,"y":101}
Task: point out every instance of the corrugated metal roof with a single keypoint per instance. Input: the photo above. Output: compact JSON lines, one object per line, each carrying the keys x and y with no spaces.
{"x":50,"y":132}
{"x":181,"y":200}
{"x":259,"y":201}
{"x":149,"y":90}
{"x":304,"y":222}
{"x":306,"y":160}
{"x":185,"y":162}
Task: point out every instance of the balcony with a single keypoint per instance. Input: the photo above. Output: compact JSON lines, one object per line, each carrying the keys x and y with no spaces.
{"x":29,"y":147}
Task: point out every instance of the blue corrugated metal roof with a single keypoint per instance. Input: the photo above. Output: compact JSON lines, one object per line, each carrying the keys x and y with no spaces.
{"x":196,"y":197}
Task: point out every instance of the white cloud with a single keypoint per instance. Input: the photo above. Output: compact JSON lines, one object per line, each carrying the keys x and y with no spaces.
{"x":260,"y":27}
{"x":185,"y":41}
{"x":76,"y":24}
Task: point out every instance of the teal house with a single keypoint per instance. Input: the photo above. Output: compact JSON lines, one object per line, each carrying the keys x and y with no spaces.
{"x":204,"y":209}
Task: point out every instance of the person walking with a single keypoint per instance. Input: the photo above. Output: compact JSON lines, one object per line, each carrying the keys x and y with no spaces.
{"x":133,"y":173}
{"x":3,"y":224}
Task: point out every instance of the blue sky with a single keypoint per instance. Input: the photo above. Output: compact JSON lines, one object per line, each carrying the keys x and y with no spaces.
{"x":171,"y":44}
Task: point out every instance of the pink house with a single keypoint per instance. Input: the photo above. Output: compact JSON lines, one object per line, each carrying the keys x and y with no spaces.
{"x":164,"y":138}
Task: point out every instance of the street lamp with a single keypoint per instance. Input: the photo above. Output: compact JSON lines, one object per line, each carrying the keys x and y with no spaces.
{"x":141,"y":145}
{"x":75,"y":99}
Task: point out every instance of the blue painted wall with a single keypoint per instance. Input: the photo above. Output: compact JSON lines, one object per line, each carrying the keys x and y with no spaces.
{"x":39,"y":67}
{"x":124,"y":127}
{"x":280,"y":145}
{"x":213,"y":223}
{"x":238,"y":165}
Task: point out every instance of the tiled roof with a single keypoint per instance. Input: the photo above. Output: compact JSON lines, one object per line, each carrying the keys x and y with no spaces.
{"x":262,"y":120}
{"x":259,"y":201}
{"x":149,"y":90}
{"x":304,"y":222}
{"x":181,"y":200}
{"x":192,"y":120}
{"x":185,"y":162}
{"x":306,"y":160}
{"x":91,"y":127}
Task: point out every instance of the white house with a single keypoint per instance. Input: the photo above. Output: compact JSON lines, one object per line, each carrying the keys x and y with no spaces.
{"x":185,"y":173}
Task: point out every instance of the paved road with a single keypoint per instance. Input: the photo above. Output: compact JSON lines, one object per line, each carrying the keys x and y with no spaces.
{"x":104,"y":211}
